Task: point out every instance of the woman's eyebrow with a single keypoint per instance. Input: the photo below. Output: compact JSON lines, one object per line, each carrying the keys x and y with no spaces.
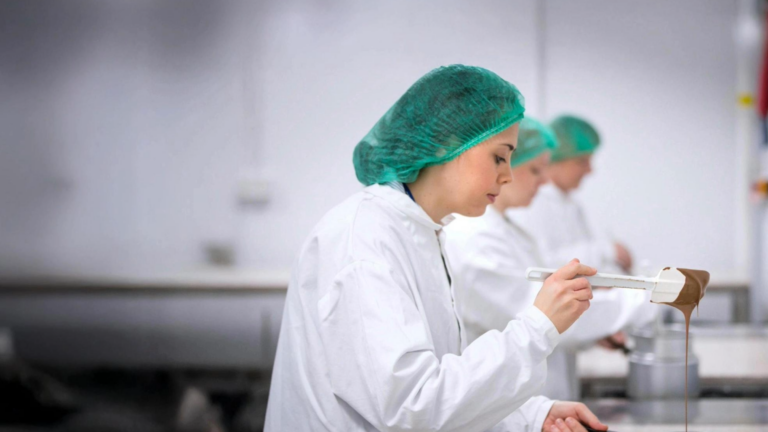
{"x":511,"y":147}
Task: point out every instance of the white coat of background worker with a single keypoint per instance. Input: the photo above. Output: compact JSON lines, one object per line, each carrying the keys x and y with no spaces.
{"x":556,"y":219}
{"x":490,"y":254}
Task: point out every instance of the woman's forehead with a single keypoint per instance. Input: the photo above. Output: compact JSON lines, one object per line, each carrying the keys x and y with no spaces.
{"x":508,"y":136}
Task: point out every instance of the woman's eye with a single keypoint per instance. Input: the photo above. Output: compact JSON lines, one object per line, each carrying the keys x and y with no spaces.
{"x":535,"y":171}
{"x":500,"y":160}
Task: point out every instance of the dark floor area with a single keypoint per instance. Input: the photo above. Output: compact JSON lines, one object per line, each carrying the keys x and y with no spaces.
{"x":113,"y":400}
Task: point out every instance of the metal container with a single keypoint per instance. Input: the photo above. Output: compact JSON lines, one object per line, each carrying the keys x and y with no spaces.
{"x":657,"y":365}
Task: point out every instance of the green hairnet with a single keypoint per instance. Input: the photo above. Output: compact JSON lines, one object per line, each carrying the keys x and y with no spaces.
{"x":575,"y":137}
{"x":446,"y":112}
{"x":533,"y":139}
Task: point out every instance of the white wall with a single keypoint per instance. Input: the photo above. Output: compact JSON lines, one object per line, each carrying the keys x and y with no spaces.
{"x":122,"y":126}
{"x":658,"y":79}
{"x":126,"y":152}
{"x":332,"y":69}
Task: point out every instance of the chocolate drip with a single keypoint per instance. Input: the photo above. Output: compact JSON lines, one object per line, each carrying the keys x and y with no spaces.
{"x":696,"y":282}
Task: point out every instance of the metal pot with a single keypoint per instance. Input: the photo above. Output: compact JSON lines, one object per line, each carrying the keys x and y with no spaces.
{"x":657,"y":365}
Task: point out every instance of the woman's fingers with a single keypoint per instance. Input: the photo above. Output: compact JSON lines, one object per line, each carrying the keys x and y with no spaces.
{"x":573,"y":269}
{"x":589,"y":418}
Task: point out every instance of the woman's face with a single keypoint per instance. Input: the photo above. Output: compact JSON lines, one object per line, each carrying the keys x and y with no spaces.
{"x":526,"y":180}
{"x":567,"y":174}
{"x":474,"y":179}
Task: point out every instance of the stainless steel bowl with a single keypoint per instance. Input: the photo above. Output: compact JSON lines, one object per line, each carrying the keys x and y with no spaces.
{"x":657,"y":365}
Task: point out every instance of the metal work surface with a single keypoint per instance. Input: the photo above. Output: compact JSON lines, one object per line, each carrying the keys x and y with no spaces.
{"x":714,"y":415}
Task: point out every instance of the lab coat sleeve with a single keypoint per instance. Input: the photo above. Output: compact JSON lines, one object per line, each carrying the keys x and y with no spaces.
{"x":609,"y":311}
{"x":528,"y":418}
{"x":384,"y":366}
{"x":492,"y":292}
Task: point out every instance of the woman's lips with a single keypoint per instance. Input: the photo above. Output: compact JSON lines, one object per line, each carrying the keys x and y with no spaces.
{"x":491,"y":197}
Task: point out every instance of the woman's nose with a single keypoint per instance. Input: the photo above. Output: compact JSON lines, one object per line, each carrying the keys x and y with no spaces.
{"x":505,"y":176}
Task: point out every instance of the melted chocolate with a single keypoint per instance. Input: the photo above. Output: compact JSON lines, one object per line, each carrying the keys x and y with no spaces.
{"x":696,"y":282}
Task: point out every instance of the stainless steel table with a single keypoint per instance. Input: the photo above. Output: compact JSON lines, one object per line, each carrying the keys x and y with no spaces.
{"x":704,"y":415}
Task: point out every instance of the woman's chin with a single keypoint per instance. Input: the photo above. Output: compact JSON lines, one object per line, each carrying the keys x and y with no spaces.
{"x":475,"y":211}
{"x":527,"y":202}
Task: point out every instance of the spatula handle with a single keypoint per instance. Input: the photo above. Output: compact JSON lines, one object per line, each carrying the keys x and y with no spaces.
{"x":538,"y":274}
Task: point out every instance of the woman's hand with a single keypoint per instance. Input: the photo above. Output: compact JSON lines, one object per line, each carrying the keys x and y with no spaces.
{"x":569,"y":417}
{"x":562,"y":298}
{"x":617,"y":341}
{"x":623,"y":257}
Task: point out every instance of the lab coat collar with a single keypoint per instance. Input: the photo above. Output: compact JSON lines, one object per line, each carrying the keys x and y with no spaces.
{"x":513,"y":215}
{"x":509,"y":218}
{"x":495,"y":216}
{"x":554,"y":191}
{"x":407,"y":206}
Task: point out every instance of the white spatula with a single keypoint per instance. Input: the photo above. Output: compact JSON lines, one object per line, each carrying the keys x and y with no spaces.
{"x":664,"y":288}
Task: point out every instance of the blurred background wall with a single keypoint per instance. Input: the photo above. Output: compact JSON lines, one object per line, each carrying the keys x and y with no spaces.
{"x":128,"y":127}
{"x":134,"y":133}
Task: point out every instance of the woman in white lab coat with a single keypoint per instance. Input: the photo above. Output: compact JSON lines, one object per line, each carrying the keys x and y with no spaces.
{"x":556,"y":219}
{"x":490,"y":254}
{"x":370,"y":338}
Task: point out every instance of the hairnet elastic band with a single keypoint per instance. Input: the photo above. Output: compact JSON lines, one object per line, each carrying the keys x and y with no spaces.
{"x":480,"y":138}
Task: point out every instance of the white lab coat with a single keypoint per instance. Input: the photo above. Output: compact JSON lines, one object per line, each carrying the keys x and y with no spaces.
{"x":559,"y":224}
{"x":489,"y":255}
{"x":371,"y":340}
